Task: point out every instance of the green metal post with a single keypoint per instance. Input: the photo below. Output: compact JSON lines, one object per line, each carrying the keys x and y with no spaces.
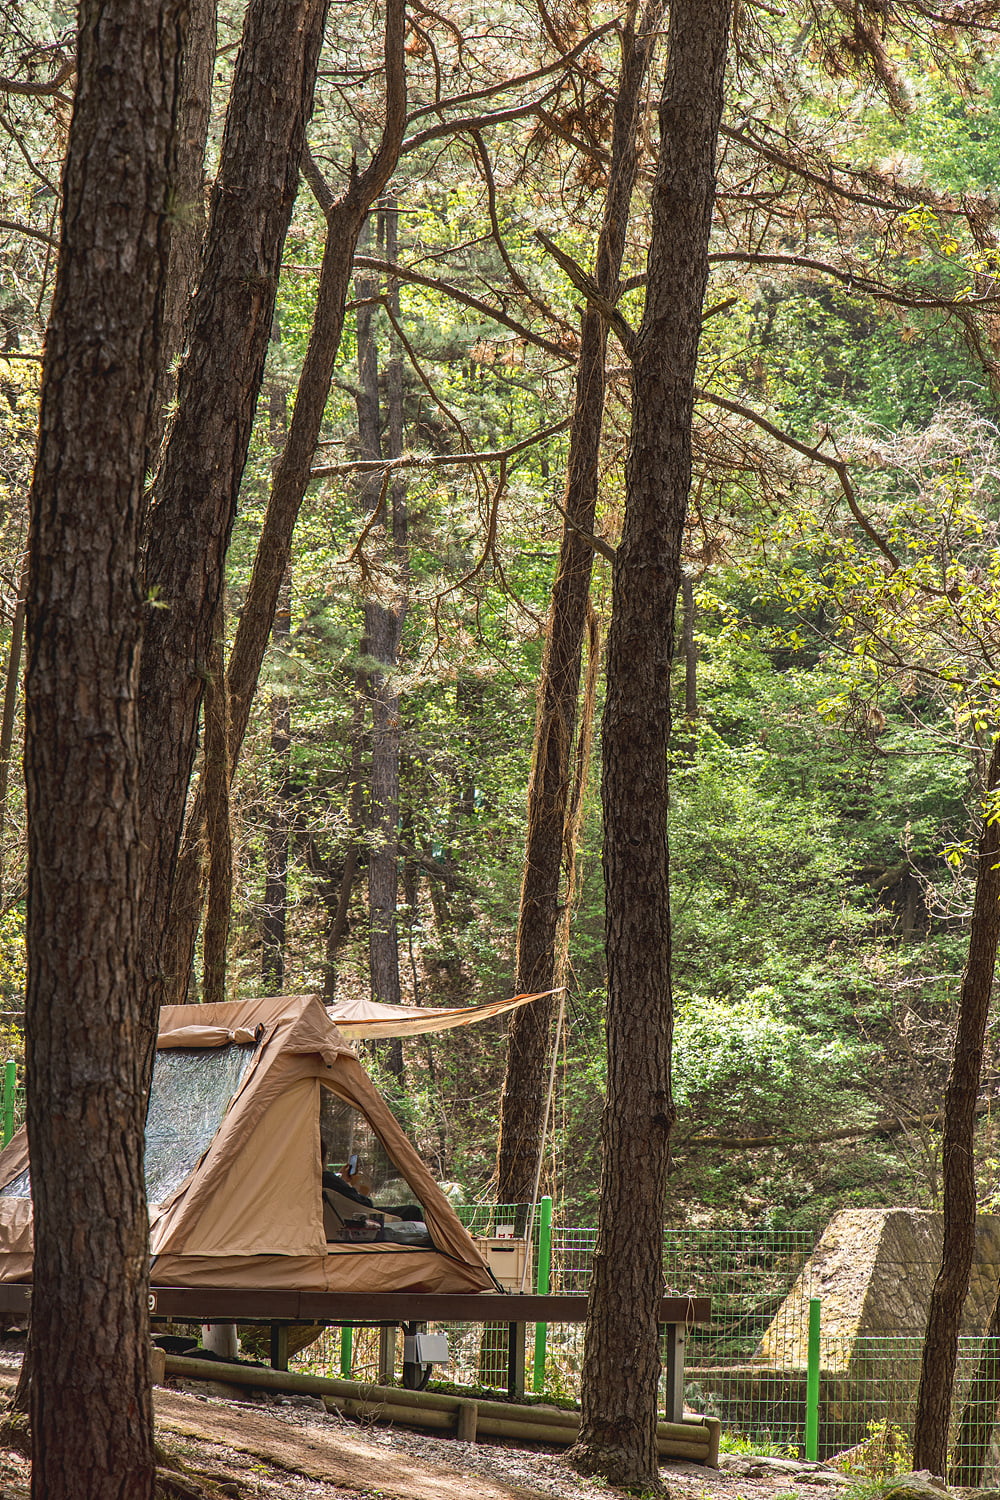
{"x":812,"y":1382}
{"x":346,"y":1352}
{"x":9,"y":1095}
{"x":542,"y":1288}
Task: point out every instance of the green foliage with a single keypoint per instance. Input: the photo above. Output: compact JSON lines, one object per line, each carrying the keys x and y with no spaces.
{"x":885,"y":1452}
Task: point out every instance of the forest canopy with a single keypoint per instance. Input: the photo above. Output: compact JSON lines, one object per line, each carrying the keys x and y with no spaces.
{"x":834,"y":683}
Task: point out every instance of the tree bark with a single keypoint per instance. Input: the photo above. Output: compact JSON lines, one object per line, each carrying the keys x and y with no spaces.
{"x":277,"y":840}
{"x":522,"y":1105}
{"x":344,"y":219}
{"x":218,"y":822}
{"x":379,"y":647}
{"x":276,"y":845}
{"x":88,"y":1053}
{"x":338,"y":900}
{"x":11,"y":694}
{"x":940,"y":1352}
{"x":621,"y":1351}
{"x":187,"y":209}
{"x":384,"y":618}
{"x":690,"y":650}
{"x":218,"y":387}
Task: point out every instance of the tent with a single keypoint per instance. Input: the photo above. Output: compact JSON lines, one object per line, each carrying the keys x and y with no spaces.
{"x":234,"y":1171}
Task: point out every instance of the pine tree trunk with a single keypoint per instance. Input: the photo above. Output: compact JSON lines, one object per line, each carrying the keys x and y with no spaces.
{"x":218,"y":387}
{"x":293,"y":472}
{"x":528,"y":1042}
{"x":621,"y":1351}
{"x":187,"y":217}
{"x":380,"y":646}
{"x":384,"y":620}
{"x":11,"y":695}
{"x":944,"y":1315}
{"x":690,"y":651}
{"x":218,"y":821}
{"x":276,"y":845}
{"x":277,"y":840}
{"x":88,"y":1053}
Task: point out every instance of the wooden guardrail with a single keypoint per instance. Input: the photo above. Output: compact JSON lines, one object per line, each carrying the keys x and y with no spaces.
{"x":695,"y":1438}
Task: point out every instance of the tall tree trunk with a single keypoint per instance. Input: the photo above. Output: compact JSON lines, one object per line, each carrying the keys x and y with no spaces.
{"x":276,"y":843}
{"x":187,"y":216}
{"x":277,"y":838}
{"x":218,"y":821}
{"x":339,"y":901}
{"x":384,"y":618}
{"x":523,"y":1099}
{"x":944,"y":1315}
{"x":11,"y":693}
{"x":621,"y":1352}
{"x":344,"y":219}
{"x":379,"y":646}
{"x":87,"y":1049}
{"x":690,"y":650}
{"x":218,"y":387}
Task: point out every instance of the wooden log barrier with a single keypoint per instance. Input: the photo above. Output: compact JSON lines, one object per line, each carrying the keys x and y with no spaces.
{"x":695,"y":1439}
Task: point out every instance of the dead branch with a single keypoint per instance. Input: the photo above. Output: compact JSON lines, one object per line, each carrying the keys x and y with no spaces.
{"x":816,"y":455}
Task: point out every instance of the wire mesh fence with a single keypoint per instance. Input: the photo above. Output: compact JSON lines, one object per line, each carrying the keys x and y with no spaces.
{"x":749,"y":1366}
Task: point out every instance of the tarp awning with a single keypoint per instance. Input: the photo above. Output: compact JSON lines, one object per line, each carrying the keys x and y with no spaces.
{"x":369,"y":1018}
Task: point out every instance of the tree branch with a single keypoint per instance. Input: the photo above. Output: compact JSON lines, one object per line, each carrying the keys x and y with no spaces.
{"x":854,"y":281}
{"x":586,"y":284}
{"x":827,"y":180}
{"x":512,"y":83}
{"x":437,"y":460}
{"x":815,"y":455}
{"x":34,"y":234}
{"x":38,"y":90}
{"x":477,"y":122}
{"x":373,"y":179}
{"x":447,"y":289}
{"x":598,"y":543}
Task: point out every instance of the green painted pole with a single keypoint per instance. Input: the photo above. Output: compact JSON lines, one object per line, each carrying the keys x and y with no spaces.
{"x":346,"y":1352}
{"x":812,"y":1382}
{"x":542,"y":1288}
{"x":9,"y":1095}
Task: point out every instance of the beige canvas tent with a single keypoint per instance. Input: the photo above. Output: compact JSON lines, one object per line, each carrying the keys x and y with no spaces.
{"x":234,"y":1169}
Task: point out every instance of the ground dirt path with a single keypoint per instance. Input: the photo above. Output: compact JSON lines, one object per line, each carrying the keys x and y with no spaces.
{"x":330,"y":1454}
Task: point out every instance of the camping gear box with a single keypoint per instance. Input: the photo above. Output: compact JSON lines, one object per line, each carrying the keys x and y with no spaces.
{"x":510,"y":1262}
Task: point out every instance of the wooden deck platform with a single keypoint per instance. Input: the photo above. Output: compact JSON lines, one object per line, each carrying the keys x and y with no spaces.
{"x":182,"y":1304}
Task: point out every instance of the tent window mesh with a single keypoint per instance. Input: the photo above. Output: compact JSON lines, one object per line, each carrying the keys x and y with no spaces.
{"x":20,"y":1187}
{"x":192,"y":1089}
